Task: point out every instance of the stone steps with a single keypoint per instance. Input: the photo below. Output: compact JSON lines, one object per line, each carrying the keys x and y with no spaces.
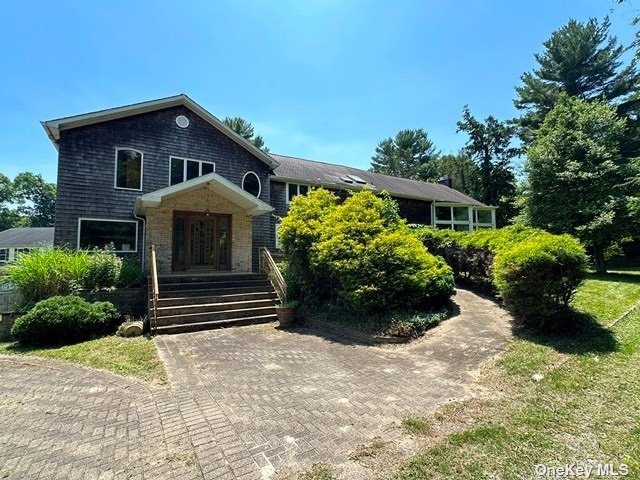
{"x":188,"y":303}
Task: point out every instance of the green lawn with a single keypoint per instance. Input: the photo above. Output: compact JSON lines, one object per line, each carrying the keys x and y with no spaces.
{"x":586,"y":407}
{"x":136,"y":357}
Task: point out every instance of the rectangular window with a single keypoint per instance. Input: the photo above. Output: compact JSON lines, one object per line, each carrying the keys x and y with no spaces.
{"x":183,"y":169}
{"x":461,"y":214}
{"x":4,"y":255}
{"x":294,"y":189}
{"x":128,"y":169}
{"x":122,"y":235}
{"x":484,"y":216}
{"x":443,"y":213}
{"x":19,"y":251}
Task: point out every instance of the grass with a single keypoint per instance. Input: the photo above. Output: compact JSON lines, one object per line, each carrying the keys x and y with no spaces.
{"x":417,"y":425}
{"x":135,"y":357}
{"x":585,"y":408}
{"x":318,"y":471}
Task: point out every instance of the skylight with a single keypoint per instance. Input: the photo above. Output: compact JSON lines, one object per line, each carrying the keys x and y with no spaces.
{"x":356,"y":179}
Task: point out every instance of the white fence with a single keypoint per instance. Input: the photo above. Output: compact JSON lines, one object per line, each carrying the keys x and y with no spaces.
{"x":9,"y":301}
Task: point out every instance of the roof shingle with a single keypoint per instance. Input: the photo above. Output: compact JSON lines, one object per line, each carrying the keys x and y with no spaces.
{"x":26,"y":237}
{"x":330,"y":175}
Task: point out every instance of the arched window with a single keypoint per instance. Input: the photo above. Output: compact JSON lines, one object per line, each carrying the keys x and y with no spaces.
{"x":251,"y":184}
{"x":128,"y":169}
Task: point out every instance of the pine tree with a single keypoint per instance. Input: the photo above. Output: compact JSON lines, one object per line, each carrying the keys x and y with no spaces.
{"x":405,"y":156}
{"x":244,"y":128}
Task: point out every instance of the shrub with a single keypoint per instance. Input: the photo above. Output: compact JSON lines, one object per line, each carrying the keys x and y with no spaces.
{"x":103,"y":270}
{"x":63,"y":320}
{"x":47,"y":272}
{"x":131,"y":275}
{"x":360,"y":252}
{"x":538,"y":277}
{"x":535,"y":272}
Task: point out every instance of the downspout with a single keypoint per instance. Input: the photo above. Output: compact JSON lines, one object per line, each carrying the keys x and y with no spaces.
{"x":144,"y":237}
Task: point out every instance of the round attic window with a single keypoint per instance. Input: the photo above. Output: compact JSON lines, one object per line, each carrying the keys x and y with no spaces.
{"x":182,"y":121}
{"x":251,"y":184}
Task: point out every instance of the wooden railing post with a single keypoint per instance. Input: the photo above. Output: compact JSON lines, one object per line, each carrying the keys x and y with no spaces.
{"x":154,"y":292}
{"x":269,"y":266}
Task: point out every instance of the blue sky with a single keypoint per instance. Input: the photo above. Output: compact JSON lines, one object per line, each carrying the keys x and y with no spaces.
{"x":324,"y":80}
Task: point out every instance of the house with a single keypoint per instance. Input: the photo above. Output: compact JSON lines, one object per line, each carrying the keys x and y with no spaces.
{"x":15,"y":241}
{"x":170,"y":174}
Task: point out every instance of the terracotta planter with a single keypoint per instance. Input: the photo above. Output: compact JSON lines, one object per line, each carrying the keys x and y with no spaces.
{"x":286,"y":316}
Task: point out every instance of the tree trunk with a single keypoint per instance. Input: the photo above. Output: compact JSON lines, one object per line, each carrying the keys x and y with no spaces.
{"x":598,"y":258}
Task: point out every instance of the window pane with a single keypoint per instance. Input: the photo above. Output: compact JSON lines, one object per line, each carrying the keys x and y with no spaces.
{"x":461,"y":214}
{"x":99,"y":234}
{"x":177,"y":171}
{"x":128,"y":169}
{"x":443,"y":226}
{"x":251,"y":184}
{"x":207,"y":168}
{"x":4,"y":254}
{"x":461,"y":228}
{"x":293,"y":190}
{"x":304,"y":189}
{"x":193,"y":169}
{"x":443,"y":213}
{"x":484,"y":216}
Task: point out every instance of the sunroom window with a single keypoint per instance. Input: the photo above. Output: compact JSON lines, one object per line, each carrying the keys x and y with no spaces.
{"x":463,"y":218}
{"x":128,"y":169}
{"x":183,"y":169}
{"x":294,"y":189}
{"x":121,"y":235}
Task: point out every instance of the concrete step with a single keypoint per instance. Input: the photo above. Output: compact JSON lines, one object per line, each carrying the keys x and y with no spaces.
{"x":200,"y":300}
{"x":215,"y":277}
{"x":206,"y":285}
{"x":207,"y":325}
{"x":217,"y":291}
{"x":217,"y":315}
{"x":188,"y":308}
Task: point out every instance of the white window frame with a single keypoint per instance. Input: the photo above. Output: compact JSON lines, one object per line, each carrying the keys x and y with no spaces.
{"x":115,"y":170}
{"x":184,"y":167}
{"x":259,"y":182}
{"x":7,"y":256}
{"x":80,"y":219}
{"x":472,"y":223}
{"x":477,"y":224}
{"x":297,"y":190}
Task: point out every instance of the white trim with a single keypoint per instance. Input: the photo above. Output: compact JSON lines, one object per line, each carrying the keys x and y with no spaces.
{"x":115,"y":169}
{"x":472,"y":223}
{"x":54,"y":127}
{"x":298,"y":184}
{"x":259,"y":182}
{"x":184,"y":167}
{"x":113,"y":220}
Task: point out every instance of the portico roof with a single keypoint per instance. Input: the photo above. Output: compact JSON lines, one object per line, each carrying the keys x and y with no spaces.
{"x":253,"y":206}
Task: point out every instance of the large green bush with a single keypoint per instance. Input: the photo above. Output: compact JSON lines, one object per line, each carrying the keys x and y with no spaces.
{"x":103,"y":271}
{"x":538,"y":277}
{"x":535,"y":272}
{"x":359,"y":252}
{"x":64,"y":319}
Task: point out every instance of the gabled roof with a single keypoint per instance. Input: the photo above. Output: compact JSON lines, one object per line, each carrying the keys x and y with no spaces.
{"x":53,"y":127}
{"x":26,"y":237}
{"x":337,"y":176}
{"x":223,"y":187}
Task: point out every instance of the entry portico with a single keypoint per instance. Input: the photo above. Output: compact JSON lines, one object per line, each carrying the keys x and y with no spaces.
{"x":203,"y":224}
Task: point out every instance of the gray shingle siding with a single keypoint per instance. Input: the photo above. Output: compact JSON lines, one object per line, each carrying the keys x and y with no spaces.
{"x":86,"y":167}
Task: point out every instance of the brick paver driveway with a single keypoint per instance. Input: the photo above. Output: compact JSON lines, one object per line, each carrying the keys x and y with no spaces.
{"x":244,"y":403}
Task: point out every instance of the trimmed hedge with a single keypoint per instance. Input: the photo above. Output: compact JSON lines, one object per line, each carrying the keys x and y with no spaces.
{"x":64,"y":319}
{"x":359,"y":253}
{"x":536,"y":273}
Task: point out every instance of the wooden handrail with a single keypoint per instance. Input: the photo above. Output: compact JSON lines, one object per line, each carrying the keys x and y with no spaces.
{"x":155,"y":291}
{"x":269,"y":266}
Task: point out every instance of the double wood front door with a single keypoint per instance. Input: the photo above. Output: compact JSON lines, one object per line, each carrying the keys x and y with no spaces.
{"x":201,"y":241}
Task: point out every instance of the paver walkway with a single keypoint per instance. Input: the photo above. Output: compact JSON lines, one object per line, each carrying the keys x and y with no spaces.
{"x":245,"y":402}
